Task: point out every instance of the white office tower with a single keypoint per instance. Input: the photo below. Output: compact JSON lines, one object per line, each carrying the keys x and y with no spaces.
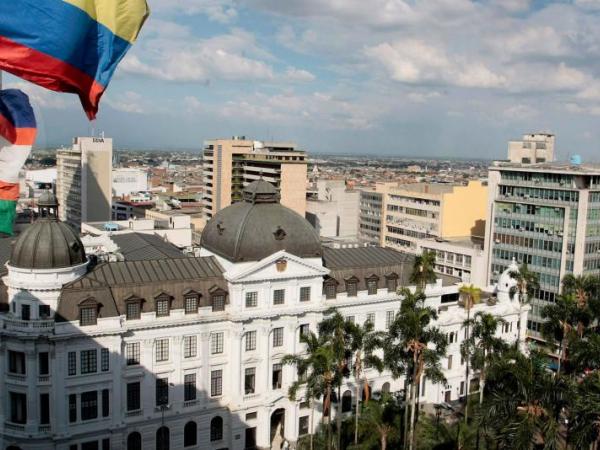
{"x":534,"y":148}
{"x":179,"y":353}
{"x":84,"y":181}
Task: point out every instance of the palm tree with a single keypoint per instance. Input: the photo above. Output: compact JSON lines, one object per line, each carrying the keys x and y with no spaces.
{"x":525,"y":405}
{"x":383,"y":417}
{"x":364,"y":342}
{"x":338,"y":331}
{"x":561,"y":317}
{"x":316,"y":369}
{"x":420,"y":346}
{"x":584,"y":353}
{"x":585,"y":428}
{"x":423,"y":270}
{"x":484,"y":345}
{"x":527,"y":284}
{"x":582,"y":288}
{"x":470,"y":295}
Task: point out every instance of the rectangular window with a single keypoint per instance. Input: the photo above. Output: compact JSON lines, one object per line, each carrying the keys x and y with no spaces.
{"x":216,"y":383}
{"x":25,"y":312}
{"x":351,"y":288}
{"x":216,"y":343}
{"x":389,"y":318}
{"x":104,"y":360}
{"x":250,"y":443}
{"x":87,"y":316}
{"x":89,"y":405}
{"x":305,"y":294}
{"x":106,"y":444}
{"x":43,"y":363}
{"x":249,"y":380}
{"x":371,"y":318}
{"x":277,"y":376}
{"x":218,"y":303}
{"x":251,"y":299}
{"x":350,"y":319}
{"x":190,"y":346}
{"x":105,"y":402}
{"x":16,"y":362}
{"x":18,"y":407}
{"x":92,"y":445}
{"x":162,"y":307}
{"x":392,"y":284}
{"x":44,"y":311}
{"x":132,"y":353}
{"x":462,"y":388}
{"x":191,"y":305}
{"x":133,"y":396}
{"x":72,"y":363}
{"x":250,"y":341}
{"x":162,"y":350}
{"x":88,"y":362}
{"x":72,"y":408}
{"x":278,"y":296}
{"x":330,"y":291}
{"x":162,"y":391}
{"x":189,"y":387}
{"x":277,"y":337}
{"x":44,"y":409}
{"x":304,"y":330}
{"x":132,"y":311}
{"x":449,"y":361}
{"x":372,"y":286}
{"x":303,"y":425}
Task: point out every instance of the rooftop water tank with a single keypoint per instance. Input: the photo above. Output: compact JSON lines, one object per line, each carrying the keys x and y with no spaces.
{"x":576,"y":160}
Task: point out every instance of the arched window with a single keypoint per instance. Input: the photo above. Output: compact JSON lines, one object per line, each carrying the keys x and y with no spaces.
{"x":347,"y":401}
{"x":134,"y":441}
{"x":162,"y":438}
{"x":216,"y":429}
{"x":385,"y":388}
{"x":190,"y":434}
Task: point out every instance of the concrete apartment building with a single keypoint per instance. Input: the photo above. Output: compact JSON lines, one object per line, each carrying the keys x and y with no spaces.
{"x":231,"y":164}
{"x":447,"y":219}
{"x":547,"y":215}
{"x":84,"y":180}
{"x":534,"y":148}
{"x":333,"y":208}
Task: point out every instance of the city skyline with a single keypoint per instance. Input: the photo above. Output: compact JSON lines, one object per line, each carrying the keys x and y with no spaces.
{"x":395,"y":80}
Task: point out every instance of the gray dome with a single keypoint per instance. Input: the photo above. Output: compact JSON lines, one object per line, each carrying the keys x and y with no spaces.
{"x":47,"y":244}
{"x":258,"y":227}
{"x":47,"y":199}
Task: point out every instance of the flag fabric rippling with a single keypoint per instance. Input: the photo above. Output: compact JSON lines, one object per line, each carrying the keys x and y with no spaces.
{"x":69,"y":45}
{"x":17,"y":135}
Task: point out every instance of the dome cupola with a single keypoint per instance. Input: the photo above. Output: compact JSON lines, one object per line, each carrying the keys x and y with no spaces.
{"x":47,"y":243}
{"x":259,"y":226}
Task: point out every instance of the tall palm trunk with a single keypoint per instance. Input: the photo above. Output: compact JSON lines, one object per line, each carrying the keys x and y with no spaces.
{"x":406,"y":414}
{"x":482,"y":379}
{"x":518,"y":343}
{"x":329,"y":417}
{"x":560,"y":352}
{"x":383,"y":442}
{"x":358,"y":371}
{"x":338,"y":419}
{"x":312,"y":423}
{"x":467,"y":365}
{"x":411,"y":432}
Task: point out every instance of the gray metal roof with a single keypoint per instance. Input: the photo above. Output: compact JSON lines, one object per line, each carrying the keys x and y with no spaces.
{"x":47,"y":244}
{"x":139,"y":247}
{"x":363,"y":257}
{"x":258,"y":227}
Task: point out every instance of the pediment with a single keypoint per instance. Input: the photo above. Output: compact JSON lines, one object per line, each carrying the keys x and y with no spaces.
{"x":280,"y":265}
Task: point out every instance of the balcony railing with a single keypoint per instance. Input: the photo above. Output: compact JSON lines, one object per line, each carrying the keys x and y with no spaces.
{"x":29,"y":325}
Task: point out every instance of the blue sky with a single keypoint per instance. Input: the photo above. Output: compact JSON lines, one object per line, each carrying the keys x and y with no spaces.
{"x":439,"y":78}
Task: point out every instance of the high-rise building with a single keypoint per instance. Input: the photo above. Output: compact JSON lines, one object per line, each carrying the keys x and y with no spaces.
{"x":369,"y":219}
{"x":548,"y":216}
{"x":231,"y":164}
{"x":84,"y":180}
{"x":332,"y":208}
{"x":534,"y":148}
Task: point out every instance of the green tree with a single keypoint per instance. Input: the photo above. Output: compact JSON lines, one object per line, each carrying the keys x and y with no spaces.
{"x":585,"y":416}
{"x":423,"y":270}
{"x":584,"y":353}
{"x":559,"y":324}
{"x":527,"y":284}
{"x":470,"y":296}
{"x":364,"y":343}
{"x":525,"y":404}
{"x":415,"y":348}
{"x":338,"y":331}
{"x":316,"y":369}
{"x":483,"y":344}
{"x":381,"y":420}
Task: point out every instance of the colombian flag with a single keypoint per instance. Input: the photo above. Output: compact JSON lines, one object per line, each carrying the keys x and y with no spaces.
{"x":17,"y":134}
{"x":69,"y":45}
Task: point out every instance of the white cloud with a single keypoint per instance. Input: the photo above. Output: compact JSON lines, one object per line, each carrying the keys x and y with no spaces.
{"x":293,"y":74}
{"x":130,"y":102}
{"x":43,"y":98}
{"x":222,"y":11}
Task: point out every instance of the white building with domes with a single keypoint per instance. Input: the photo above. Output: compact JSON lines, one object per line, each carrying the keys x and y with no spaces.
{"x":185,"y":353}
